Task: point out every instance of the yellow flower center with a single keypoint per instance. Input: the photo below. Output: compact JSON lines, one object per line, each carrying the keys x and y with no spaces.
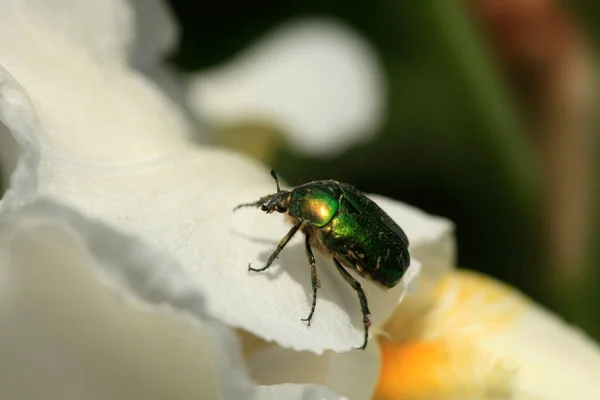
{"x":442,"y":359}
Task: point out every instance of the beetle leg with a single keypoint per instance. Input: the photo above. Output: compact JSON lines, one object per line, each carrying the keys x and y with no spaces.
{"x":314,"y":278}
{"x":280,"y":247}
{"x":256,"y":203}
{"x":361,"y":296}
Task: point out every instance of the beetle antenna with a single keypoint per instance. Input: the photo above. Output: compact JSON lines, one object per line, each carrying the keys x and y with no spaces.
{"x":274,"y":175}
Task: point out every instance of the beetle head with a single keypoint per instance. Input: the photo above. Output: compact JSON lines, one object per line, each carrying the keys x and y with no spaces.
{"x":279,"y":202}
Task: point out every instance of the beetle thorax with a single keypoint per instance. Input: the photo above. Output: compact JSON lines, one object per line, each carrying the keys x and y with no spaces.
{"x":316,"y":206}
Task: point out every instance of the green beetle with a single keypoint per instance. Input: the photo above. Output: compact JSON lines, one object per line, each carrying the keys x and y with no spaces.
{"x":344,"y":224}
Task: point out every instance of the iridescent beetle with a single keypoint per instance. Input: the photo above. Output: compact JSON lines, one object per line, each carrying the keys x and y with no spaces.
{"x":344,"y":224}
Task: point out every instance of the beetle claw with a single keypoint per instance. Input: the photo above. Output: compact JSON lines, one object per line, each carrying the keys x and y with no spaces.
{"x":363,"y":347}
{"x":253,"y":269}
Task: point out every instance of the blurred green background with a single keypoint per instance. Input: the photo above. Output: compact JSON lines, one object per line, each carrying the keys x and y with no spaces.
{"x":470,"y":133}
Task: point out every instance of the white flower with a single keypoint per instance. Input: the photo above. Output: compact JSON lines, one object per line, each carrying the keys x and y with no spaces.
{"x":123,"y":267}
{"x":317,"y":81}
{"x":74,"y":326}
{"x":131,"y":225}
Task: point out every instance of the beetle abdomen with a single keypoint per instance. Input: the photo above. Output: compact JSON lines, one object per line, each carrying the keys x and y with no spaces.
{"x":366,"y":245}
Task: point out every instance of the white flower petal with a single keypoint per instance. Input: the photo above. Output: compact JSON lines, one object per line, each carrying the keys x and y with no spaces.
{"x":19,"y":167}
{"x":115,"y":149}
{"x":105,"y":28}
{"x":296,"y":392}
{"x":316,"y":79}
{"x":9,"y":155}
{"x":157,"y":35}
{"x":71,"y":329}
{"x":156,"y":32}
{"x":552,"y":359}
{"x":353,"y":374}
{"x":188,"y":212}
{"x":90,"y":111}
